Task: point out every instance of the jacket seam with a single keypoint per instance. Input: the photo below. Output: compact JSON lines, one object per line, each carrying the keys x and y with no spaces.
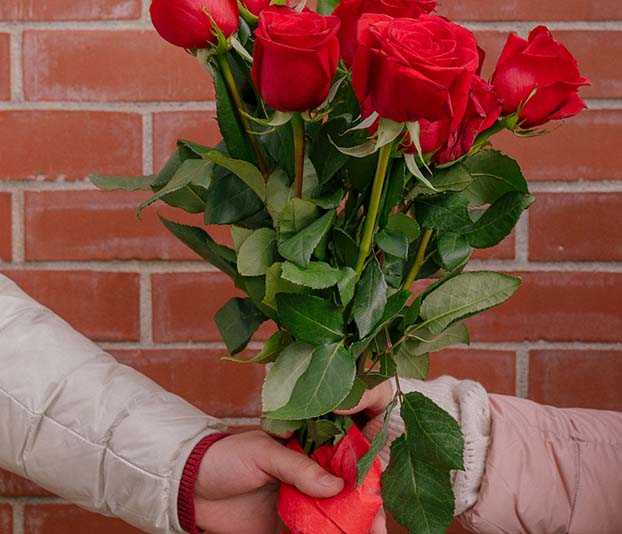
{"x":577,"y":485}
{"x":81,"y":437}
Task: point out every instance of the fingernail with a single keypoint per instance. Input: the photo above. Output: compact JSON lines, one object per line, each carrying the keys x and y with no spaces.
{"x":329,"y":480}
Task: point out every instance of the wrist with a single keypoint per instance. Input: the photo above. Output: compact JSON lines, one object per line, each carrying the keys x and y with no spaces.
{"x":186,"y":509}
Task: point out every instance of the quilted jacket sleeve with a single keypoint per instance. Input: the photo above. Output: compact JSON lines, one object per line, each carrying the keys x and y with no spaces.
{"x":85,"y":427}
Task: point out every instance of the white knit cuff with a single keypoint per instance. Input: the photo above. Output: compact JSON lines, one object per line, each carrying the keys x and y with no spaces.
{"x":467,"y":402}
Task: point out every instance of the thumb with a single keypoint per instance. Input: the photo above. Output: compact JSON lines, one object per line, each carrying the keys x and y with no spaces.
{"x":300,"y":471}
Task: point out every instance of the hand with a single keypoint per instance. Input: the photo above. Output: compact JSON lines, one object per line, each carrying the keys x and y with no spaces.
{"x":237,"y":486}
{"x":374,"y":401}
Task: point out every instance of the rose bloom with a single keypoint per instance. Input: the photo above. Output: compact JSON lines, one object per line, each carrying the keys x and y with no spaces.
{"x":416,"y":70}
{"x":185,"y":23}
{"x":301,"y":45}
{"x":256,"y":6}
{"x":483,"y":110}
{"x":543,"y":64}
{"x":350,"y":11}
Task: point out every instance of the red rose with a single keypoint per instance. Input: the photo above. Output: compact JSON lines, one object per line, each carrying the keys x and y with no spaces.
{"x":542,"y":63}
{"x":350,"y":11}
{"x":353,"y":510}
{"x":416,"y":70}
{"x":483,"y":109}
{"x":256,"y":6}
{"x":186,"y":23}
{"x":300,"y":46}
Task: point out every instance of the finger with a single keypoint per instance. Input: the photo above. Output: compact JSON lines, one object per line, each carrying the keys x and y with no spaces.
{"x":300,"y":471}
{"x":367,"y":400}
{"x":379,"y":526}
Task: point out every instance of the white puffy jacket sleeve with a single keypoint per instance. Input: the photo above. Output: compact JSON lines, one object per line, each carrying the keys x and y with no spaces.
{"x":85,"y":427}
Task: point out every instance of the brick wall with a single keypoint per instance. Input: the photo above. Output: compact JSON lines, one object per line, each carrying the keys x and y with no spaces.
{"x":87,"y":86}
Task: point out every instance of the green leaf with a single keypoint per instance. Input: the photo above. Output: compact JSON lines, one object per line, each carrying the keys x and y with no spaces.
{"x":346,"y":285}
{"x":276,"y":284}
{"x":271,"y":349}
{"x":494,"y":174}
{"x":113,"y":183}
{"x":299,"y":247}
{"x":393,"y":243}
{"x":229,"y":123}
{"x":197,"y":149}
{"x":200,"y":242}
{"x":278,"y":427}
{"x":192,"y":172}
{"x":322,"y":430}
{"x":309,"y":318}
{"x":498,"y":220}
{"x":257,"y":252}
{"x":239,"y":235}
{"x":323,"y":386}
{"x":326,"y":7}
{"x":432,"y":434}
{"x":464,"y":295}
{"x":374,"y":379}
{"x":247,"y":172}
{"x":422,"y":342}
{"x":346,"y":248}
{"x":453,"y":250}
{"x":317,"y":275}
{"x":447,"y":212}
{"x":168,"y":171}
{"x":393,"y":191}
{"x":296,"y":215}
{"x":454,"y":178}
{"x":354,"y":397}
{"x":278,"y":192}
{"x":380,"y":440}
{"x":230,"y":200}
{"x":283,"y":375}
{"x":411,"y":365}
{"x":237,"y":321}
{"x":370,"y":299}
{"x":418,"y":494}
{"x":405,"y":225}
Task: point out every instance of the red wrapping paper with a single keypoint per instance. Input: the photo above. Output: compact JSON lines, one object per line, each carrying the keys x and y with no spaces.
{"x":350,"y":512}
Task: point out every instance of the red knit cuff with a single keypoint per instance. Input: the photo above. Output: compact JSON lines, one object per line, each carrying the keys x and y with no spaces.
{"x":185,"y":498}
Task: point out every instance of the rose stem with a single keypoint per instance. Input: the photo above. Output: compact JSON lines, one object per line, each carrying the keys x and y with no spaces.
{"x":419,"y":259}
{"x":374,"y":205}
{"x":225,"y":69}
{"x":298,"y":129}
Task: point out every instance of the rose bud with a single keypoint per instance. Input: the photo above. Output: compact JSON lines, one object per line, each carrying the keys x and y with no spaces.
{"x":544,"y":65}
{"x":350,"y":11}
{"x":483,"y":110}
{"x":256,"y":6}
{"x":288,"y":43}
{"x":353,"y":510}
{"x":428,"y":57}
{"x":187,"y":23}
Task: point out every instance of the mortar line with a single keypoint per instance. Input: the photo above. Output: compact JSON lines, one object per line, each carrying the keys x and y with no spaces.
{"x":16,"y":66}
{"x":146,"y":327}
{"x":144,"y":16}
{"x":18,"y":518}
{"x":522,"y":373}
{"x":521,"y":243}
{"x":17,"y":228}
{"x":126,"y":106}
{"x":147,"y":130}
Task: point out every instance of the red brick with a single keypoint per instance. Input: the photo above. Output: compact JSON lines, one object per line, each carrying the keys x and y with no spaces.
{"x":532,"y":10}
{"x":198,"y":126}
{"x":492,"y":43}
{"x":69,"y":10}
{"x":220,"y":388}
{"x":13,"y":486}
{"x":103,"y":306}
{"x":5,"y":227}
{"x":184,"y":305}
{"x":599,"y":54}
{"x":576,"y":227}
{"x":5,"y":66}
{"x":6,"y":519}
{"x":556,"y":306}
{"x":585,"y":147}
{"x":580,"y":378}
{"x":69,"y":144}
{"x":495,"y":370}
{"x":110,"y":66}
{"x":61,"y":519}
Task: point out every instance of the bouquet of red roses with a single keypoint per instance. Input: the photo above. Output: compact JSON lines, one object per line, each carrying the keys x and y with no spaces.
{"x":355,"y":160}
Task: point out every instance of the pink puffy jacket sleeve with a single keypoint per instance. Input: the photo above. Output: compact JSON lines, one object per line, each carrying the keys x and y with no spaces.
{"x":549,"y":470}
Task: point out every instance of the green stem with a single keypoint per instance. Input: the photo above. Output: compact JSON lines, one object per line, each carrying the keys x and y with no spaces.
{"x":374,"y":205}
{"x":298,"y":129}
{"x":227,"y":74}
{"x":419,"y":259}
